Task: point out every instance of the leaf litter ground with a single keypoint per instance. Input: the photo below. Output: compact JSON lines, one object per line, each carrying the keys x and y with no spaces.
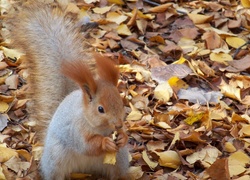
{"x":184,"y":81}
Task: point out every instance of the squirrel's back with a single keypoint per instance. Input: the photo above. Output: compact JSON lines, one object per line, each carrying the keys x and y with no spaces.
{"x":49,"y":35}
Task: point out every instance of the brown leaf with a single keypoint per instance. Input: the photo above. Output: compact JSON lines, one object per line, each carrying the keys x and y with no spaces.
{"x":212,"y":40}
{"x":219,"y":169}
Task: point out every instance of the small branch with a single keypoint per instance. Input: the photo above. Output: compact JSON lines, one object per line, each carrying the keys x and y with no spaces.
{"x":239,"y":48}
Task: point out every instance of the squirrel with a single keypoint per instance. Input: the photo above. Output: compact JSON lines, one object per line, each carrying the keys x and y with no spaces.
{"x":77,"y":128}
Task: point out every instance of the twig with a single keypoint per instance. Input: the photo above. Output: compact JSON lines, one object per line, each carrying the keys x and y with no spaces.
{"x":239,"y":48}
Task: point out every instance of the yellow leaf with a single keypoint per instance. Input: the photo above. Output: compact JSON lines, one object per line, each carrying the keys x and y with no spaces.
{"x":2,"y":176}
{"x":119,"y":2}
{"x":145,"y":16}
{"x":180,"y":61}
{"x":200,"y":19}
{"x":195,"y":118}
{"x":163,"y":125}
{"x":139,"y":77}
{"x":235,"y":170}
{"x":230,"y":91}
{"x":150,"y":163}
{"x":229,"y":147}
{"x":125,"y":68}
{"x":110,"y":158}
{"x":239,"y":158}
{"x":177,"y":83}
{"x":11,"y":53}
{"x":169,"y":159}
{"x":245,"y":131}
{"x":102,"y":10}
{"x":123,"y":30}
{"x":116,"y":17}
{"x":3,"y":107}
{"x":220,"y":57}
{"x":245,"y":3}
{"x":163,"y":92}
{"x":135,"y":172}
{"x":235,"y":42}
{"x":6,"y":154}
{"x":160,"y":8}
{"x":134,"y":115}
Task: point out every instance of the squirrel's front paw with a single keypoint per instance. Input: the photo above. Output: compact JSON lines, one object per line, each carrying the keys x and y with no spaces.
{"x":109,"y":145}
{"x":122,"y":139}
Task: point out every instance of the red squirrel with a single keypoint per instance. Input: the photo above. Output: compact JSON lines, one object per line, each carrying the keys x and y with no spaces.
{"x":80,"y":124}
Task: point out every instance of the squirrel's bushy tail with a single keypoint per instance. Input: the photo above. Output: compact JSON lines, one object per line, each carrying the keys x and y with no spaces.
{"x":48,"y":35}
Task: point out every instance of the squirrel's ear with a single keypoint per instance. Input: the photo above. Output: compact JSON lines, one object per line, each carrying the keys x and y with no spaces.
{"x":80,"y":73}
{"x":106,"y":69}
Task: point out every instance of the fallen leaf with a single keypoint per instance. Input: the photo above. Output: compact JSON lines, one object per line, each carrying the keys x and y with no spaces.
{"x":163,"y":74}
{"x":163,"y":92}
{"x":169,"y":159}
{"x":208,"y":154}
{"x":16,"y":164}
{"x":219,"y":169}
{"x":200,"y":96}
{"x":116,"y":17}
{"x":149,"y":162}
{"x":160,"y":8}
{"x":6,"y":154}
{"x":102,"y":10}
{"x":220,"y":57}
{"x":212,"y":40}
{"x":245,"y":3}
{"x":135,"y":172}
{"x":3,"y":107}
{"x":119,"y":2}
{"x":199,"y":18}
{"x":123,"y":30}
{"x":235,"y":42}
{"x":3,"y":121}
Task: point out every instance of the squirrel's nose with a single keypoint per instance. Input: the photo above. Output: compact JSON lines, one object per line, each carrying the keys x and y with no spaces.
{"x":119,"y":124}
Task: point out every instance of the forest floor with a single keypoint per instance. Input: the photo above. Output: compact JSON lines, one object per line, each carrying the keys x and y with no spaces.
{"x":184,"y":81}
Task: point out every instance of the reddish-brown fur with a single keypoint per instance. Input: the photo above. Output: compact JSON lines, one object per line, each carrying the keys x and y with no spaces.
{"x":106,"y":69}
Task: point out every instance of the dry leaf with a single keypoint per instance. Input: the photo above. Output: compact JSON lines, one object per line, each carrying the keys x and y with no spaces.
{"x":135,"y":172}
{"x":3,"y":107}
{"x":3,"y":121}
{"x":119,"y":2}
{"x":116,"y":17}
{"x":123,"y":30}
{"x":235,"y":42}
{"x":110,"y":157}
{"x":221,"y":57}
{"x":208,"y":154}
{"x":245,"y":3}
{"x":169,"y":159}
{"x":160,"y":8}
{"x":219,"y":169}
{"x":6,"y":154}
{"x":16,"y":164}
{"x":196,"y":95}
{"x":237,"y":162}
{"x":102,"y":10}
{"x":200,"y":19}
{"x":163,"y":92}
{"x":149,"y":162}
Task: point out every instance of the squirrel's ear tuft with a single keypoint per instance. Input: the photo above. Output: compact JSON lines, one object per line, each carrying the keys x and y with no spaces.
{"x":80,"y":73}
{"x":106,"y":69}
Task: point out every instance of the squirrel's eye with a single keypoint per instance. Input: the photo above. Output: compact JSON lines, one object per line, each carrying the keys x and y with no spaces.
{"x":100,"y":109}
